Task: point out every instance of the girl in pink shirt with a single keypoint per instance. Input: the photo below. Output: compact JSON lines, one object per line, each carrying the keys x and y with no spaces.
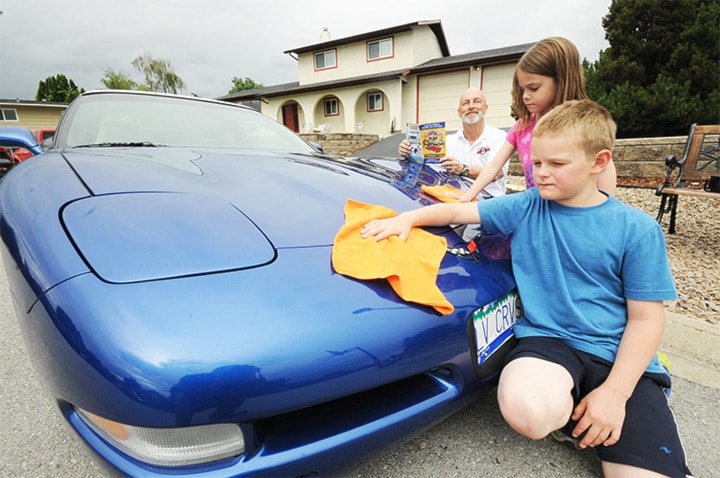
{"x":547,"y":75}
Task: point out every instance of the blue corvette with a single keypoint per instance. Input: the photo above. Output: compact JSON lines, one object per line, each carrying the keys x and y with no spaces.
{"x":169,"y":259}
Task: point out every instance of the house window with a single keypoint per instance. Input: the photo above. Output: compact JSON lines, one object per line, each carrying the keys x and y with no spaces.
{"x":8,"y":115}
{"x":325,"y":60}
{"x":254,"y":104}
{"x":331,"y":107}
{"x":375,"y":101}
{"x":380,"y":49}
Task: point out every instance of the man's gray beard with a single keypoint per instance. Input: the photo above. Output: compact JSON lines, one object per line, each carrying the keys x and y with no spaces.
{"x":467,"y":119}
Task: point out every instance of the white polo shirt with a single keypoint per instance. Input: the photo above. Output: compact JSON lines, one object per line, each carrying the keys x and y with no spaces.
{"x":480,"y":153}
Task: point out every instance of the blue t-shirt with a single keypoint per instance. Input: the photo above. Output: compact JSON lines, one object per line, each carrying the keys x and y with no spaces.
{"x":575,"y":267}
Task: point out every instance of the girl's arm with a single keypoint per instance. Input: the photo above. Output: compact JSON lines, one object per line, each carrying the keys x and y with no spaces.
{"x":489,"y":172}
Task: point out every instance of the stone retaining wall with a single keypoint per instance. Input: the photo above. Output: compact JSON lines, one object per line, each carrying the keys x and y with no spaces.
{"x":645,"y":157}
{"x":341,"y":144}
{"x":641,"y":157}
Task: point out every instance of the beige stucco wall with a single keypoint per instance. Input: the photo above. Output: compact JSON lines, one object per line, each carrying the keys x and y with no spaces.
{"x":351,"y":107}
{"x":410,"y":48}
{"x":412,"y":99}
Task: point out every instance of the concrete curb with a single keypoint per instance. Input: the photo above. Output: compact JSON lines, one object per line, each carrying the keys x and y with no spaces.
{"x":693,"y":347}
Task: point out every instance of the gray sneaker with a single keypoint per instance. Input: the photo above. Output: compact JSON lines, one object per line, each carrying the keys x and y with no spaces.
{"x":561,"y":437}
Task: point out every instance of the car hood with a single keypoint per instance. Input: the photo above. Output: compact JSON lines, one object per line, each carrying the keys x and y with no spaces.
{"x":157,"y":213}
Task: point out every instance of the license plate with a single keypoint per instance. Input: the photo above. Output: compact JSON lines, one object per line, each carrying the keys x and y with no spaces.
{"x":493,"y":324}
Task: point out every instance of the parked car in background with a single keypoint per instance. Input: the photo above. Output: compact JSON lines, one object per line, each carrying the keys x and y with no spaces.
{"x":42,"y":137}
{"x":13,"y":138}
{"x":177,"y":298}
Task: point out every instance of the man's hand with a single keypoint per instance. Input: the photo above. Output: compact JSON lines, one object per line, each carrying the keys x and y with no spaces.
{"x":451,"y":165}
{"x":404,"y":148}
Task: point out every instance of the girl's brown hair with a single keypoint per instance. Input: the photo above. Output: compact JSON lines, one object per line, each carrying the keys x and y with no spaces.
{"x":557,"y":58}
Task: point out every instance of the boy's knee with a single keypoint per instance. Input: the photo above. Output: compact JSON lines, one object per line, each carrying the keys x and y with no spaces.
{"x":526,"y":415}
{"x":533,"y":409}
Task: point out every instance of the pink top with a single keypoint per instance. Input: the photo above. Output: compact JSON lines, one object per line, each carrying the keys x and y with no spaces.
{"x":521,"y":140}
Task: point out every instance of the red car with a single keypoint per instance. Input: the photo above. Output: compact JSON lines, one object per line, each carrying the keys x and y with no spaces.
{"x":21,"y":154}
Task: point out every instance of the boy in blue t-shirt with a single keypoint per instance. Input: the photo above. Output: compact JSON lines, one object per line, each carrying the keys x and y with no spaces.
{"x":592,"y":273}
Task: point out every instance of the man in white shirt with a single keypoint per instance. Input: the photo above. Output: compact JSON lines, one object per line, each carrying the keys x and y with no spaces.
{"x":472,"y":147}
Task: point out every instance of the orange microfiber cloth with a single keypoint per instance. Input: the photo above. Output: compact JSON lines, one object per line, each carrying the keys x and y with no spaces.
{"x":411,"y":267}
{"x":444,"y":193}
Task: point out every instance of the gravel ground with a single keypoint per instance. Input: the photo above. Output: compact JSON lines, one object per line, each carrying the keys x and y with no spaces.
{"x":694,"y":249}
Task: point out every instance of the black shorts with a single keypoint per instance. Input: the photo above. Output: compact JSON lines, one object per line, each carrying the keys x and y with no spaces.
{"x":649,"y":437}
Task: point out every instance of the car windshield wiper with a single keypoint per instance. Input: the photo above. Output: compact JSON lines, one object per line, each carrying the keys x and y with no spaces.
{"x":129,"y":144}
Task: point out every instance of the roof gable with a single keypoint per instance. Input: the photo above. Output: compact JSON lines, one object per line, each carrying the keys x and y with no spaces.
{"x":434,"y":25}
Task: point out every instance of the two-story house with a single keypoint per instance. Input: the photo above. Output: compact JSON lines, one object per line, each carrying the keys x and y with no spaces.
{"x":379,"y":81}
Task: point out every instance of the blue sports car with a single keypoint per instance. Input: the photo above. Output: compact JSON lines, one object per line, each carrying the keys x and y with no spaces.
{"x":169,"y":259}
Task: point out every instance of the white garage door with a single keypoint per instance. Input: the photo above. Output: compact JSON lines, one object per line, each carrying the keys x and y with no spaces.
{"x":497,"y":85}
{"x":438,"y":97}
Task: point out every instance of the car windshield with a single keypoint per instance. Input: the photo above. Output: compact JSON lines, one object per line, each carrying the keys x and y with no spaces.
{"x":131,"y":119}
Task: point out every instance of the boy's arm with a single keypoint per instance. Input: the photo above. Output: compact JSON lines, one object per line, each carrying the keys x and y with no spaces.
{"x":435,"y":215}
{"x":489,"y":172}
{"x":602,"y":412}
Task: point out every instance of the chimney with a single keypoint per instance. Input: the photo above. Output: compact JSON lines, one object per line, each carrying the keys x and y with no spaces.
{"x":325,"y":35}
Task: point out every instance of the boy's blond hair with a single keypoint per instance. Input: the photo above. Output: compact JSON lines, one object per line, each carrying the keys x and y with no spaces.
{"x":589,"y":123}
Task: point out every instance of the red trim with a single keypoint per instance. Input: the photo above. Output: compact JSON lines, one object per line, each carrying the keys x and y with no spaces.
{"x":367,"y":103}
{"x":367,"y":49}
{"x":337,"y":104}
{"x":315,"y":68}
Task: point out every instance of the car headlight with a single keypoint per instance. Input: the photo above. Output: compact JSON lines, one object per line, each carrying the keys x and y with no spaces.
{"x":179,"y":446}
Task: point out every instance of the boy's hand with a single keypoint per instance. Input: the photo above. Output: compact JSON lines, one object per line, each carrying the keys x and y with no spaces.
{"x":381,"y":229}
{"x":600,"y":416}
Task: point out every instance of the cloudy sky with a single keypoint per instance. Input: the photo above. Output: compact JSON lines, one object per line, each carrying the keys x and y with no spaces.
{"x":208,"y":42}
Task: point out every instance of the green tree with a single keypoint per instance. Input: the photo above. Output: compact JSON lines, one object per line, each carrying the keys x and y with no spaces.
{"x":662,"y":70}
{"x":158,"y":74}
{"x":57,"y":88}
{"x":246,"y":84}
{"x":116,"y":80}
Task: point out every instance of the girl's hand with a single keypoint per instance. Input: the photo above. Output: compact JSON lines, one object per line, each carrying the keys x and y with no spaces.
{"x":467,"y":197}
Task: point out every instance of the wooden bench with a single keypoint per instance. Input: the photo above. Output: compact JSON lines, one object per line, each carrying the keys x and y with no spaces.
{"x":696,"y":174}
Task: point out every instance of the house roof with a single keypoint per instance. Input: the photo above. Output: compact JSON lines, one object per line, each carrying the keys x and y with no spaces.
{"x":435,"y":26}
{"x":18,"y":102}
{"x":496,"y":55}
